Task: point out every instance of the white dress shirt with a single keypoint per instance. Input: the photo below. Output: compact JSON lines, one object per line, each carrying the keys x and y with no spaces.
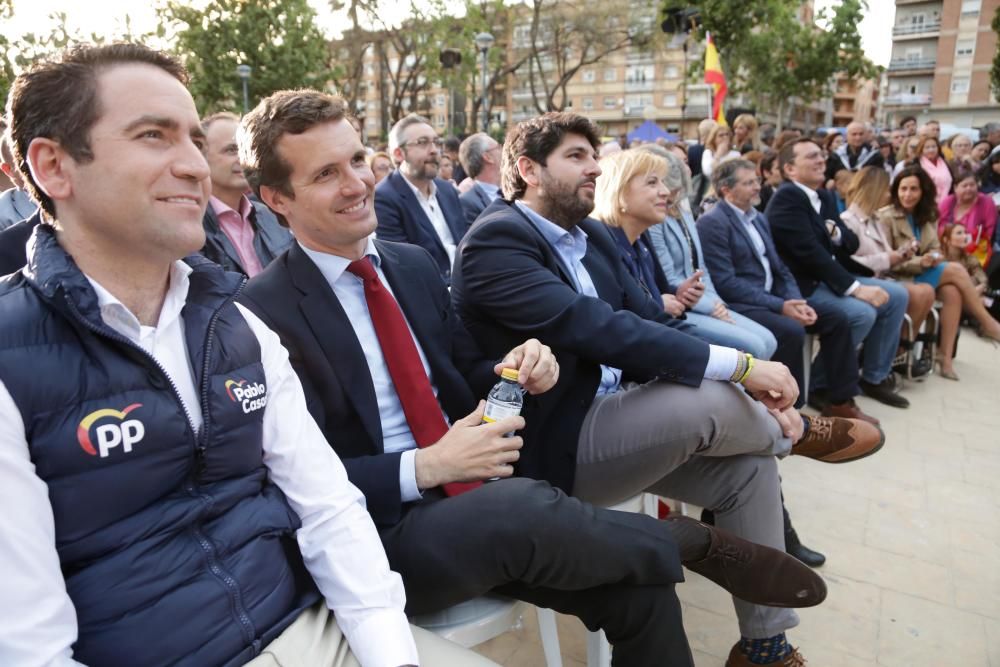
{"x":570,"y":247}
{"x":350,"y":291}
{"x":747,"y":218}
{"x":338,"y":540}
{"x":490,"y":189}
{"x":434,"y":213}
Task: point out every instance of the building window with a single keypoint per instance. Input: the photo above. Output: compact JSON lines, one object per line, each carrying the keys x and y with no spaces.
{"x":960,"y":84}
{"x":440,"y":101}
{"x":588,"y":103}
{"x":670,"y":100}
{"x":670,"y":72}
{"x":964,"y":47}
{"x":970,"y":8}
{"x":589,"y":75}
{"x":610,"y":102}
{"x":610,"y":74}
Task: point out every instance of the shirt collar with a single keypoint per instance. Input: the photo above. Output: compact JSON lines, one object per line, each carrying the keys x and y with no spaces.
{"x":812,"y":194}
{"x":552,"y":232}
{"x":333,"y":266}
{"x":490,"y":189}
{"x":746,"y":216}
{"x":416,"y":190}
{"x":121,"y":319}
{"x":219,"y":207}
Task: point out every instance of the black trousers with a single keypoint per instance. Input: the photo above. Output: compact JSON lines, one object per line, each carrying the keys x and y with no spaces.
{"x":836,"y":353}
{"x":527,"y":540}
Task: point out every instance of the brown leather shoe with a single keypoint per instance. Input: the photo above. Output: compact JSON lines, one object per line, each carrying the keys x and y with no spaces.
{"x":848,"y":410}
{"x":757,"y":574}
{"x":738,"y":658}
{"x":839,"y":440}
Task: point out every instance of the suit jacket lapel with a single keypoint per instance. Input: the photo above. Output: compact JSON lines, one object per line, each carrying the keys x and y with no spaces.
{"x":336,"y":337}
{"x":563,"y":272}
{"x":455,"y":219}
{"x":736,"y":222}
{"x":483,"y":197}
{"x":405,"y":283}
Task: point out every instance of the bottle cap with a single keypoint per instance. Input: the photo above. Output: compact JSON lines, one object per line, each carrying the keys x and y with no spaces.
{"x":509,"y":374}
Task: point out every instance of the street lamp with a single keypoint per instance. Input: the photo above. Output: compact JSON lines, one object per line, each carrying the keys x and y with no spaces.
{"x":484,"y":41}
{"x":243,"y":71}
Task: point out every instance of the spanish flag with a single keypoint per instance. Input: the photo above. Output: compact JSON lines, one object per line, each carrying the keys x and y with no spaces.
{"x":717,"y":79}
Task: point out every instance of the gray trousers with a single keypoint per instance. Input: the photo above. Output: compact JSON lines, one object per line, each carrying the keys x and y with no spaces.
{"x":712,"y":446}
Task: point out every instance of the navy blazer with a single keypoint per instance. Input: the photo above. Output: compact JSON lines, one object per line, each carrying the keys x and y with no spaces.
{"x":401,"y":218}
{"x":292,"y":297}
{"x":738,"y":271}
{"x":801,"y":237}
{"x":474,"y":201}
{"x":509,"y":285}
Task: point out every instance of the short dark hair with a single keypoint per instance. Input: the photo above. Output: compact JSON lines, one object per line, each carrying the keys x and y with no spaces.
{"x":283,"y":112}
{"x":57,"y":99}
{"x":767,"y":162}
{"x":926,"y":209}
{"x":724,"y":173}
{"x":906,"y":119}
{"x":786,"y":155}
{"x":536,"y":138}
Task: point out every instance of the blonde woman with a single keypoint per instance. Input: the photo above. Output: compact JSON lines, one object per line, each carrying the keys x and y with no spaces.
{"x":745,"y":138}
{"x":718,"y":147}
{"x":867,"y":192}
{"x":636,"y":198}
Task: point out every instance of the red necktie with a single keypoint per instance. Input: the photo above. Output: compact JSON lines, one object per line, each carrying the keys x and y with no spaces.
{"x":423,"y":414}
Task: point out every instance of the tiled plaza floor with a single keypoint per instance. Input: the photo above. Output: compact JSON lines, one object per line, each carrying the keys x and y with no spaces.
{"x":912,"y":538}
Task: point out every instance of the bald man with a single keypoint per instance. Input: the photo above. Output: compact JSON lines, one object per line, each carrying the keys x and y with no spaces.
{"x":857,"y":152}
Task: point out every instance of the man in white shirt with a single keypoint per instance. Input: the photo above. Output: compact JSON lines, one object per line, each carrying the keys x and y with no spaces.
{"x":414,"y":205}
{"x":169,"y":499}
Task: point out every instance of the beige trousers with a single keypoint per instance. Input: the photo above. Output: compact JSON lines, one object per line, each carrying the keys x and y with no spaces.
{"x":314,"y":640}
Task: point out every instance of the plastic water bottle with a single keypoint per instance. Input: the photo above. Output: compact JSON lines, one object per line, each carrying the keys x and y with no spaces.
{"x":505,"y":399}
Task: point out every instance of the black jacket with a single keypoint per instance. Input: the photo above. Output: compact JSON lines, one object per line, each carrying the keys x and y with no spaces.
{"x":270,"y":239}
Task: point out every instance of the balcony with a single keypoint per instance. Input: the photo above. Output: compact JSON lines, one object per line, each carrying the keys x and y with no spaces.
{"x":916,"y":29}
{"x":638,"y":85}
{"x":634,"y":112}
{"x":911,"y":64}
{"x":908,"y":99}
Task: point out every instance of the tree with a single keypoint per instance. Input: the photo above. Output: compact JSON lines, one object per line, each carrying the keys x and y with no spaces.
{"x":770,"y":54}
{"x":995,"y":71}
{"x":278,"y":39}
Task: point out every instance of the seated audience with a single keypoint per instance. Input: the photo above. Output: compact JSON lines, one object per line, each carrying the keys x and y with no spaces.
{"x":907,"y":155}
{"x":770,"y":178}
{"x":240,"y":235}
{"x":15,"y":203}
{"x":911,"y":221}
{"x":696,"y":152}
{"x":961,"y":150}
{"x":394,"y":381}
{"x":414,"y":205}
{"x":750,"y":274}
{"x":980,"y":151}
{"x":875,"y":256}
{"x":954,"y":247}
{"x":841,"y":180}
{"x":676,"y":248}
{"x":381,"y":165}
{"x":445,"y":169}
{"x":968,"y":207}
{"x":856,"y":152}
{"x":813,"y":242}
{"x":989,"y":176}
{"x":718,"y":147}
{"x":639,"y":404}
{"x":832,"y":142}
{"x":169,"y":499}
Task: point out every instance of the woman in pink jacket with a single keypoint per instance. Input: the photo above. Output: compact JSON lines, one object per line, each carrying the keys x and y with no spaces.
{"x":973,"y":210}
{"x":929,"y":150}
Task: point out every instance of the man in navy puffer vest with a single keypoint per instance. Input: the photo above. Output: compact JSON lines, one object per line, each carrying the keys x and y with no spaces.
{"x":168,"y":499}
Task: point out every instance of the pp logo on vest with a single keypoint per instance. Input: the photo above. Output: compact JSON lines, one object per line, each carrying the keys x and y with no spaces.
{"x":251,"y":396}
{"x":118,"y":433}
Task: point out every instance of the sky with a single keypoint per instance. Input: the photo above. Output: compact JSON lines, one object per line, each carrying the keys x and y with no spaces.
{"x":32,"y":16}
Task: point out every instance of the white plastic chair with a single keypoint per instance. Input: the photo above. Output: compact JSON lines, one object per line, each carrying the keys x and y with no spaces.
{"x":475,"y":621}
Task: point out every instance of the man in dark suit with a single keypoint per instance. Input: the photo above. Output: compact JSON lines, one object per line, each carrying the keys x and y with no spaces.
{"x":632,"y":409}
{"x":240,"y":234}
{"x":480,"y":155}
{"x":815,"y":245}
{"x":327,"y":296}
{"x":750,"y":276}
{"x":414,"y":205}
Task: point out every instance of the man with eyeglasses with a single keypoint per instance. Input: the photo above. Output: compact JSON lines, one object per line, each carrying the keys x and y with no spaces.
{"x":412,"y":204}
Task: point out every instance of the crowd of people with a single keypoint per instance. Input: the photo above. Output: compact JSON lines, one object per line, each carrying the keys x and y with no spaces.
{"x":242,"y":363}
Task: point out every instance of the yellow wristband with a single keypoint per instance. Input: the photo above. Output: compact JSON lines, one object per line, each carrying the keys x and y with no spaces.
{"x":746,"y":373}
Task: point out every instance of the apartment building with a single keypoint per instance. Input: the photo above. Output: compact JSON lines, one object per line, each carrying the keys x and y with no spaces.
{"x":942,"y":53}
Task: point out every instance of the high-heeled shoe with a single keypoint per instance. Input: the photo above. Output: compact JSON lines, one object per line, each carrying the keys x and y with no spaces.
{"x":991,"y":337}
{"x":948,"y":375}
